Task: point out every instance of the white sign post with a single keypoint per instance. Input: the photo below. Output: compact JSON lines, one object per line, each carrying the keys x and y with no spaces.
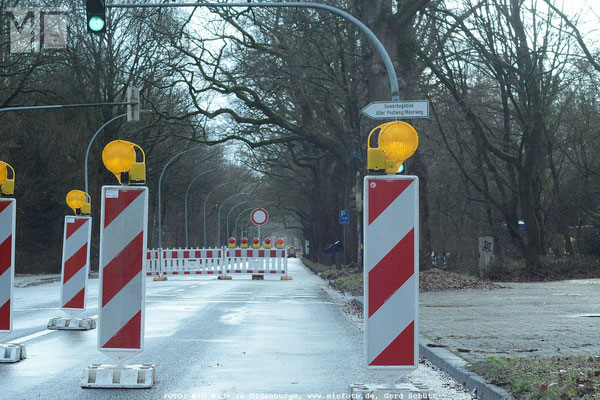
{"x":397,"y":109}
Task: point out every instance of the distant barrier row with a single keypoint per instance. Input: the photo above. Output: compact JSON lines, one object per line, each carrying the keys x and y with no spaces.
{"x":234,"y":261}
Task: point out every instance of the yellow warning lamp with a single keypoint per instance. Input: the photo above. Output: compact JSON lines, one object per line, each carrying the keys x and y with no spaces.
{"x":231,"y":244}
{"x":255,"y":243}
{"x":244,"y":243}
{"x":120,"y":158}
{"x":80,"y":202}
{"x":7,"y":179}
{"x":280,"y":243}
{"x":390,"y":145}
{"x":267,"y":243}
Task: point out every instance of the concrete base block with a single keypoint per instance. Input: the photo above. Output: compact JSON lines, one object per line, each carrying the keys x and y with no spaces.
{"x":224,"y":277}
{"x":159,"y":278}
{"x":105,"y":376}
{"x":286,"y":278}
{"x":410,"y":390}
{"x":12,"y":352}
{"x":257,"y":277}
{"x":77,"y":324}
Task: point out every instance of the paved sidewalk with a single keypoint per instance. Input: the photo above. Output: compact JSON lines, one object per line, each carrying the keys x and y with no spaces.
{"x":524,"y":319}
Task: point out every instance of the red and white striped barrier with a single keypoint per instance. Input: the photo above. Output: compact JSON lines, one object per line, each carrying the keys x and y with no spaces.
{"x":184,"y":262}
{"x":7,"y":262}
{"x":8,"y":211}
{"x":123,"y":235}
{"x":255,"y":261}
{"x":391,"y":221}
{"x":74,"y":273}
{"x":216,"y":262}
{"x":75,"y":263}
{"x":152,"y":262}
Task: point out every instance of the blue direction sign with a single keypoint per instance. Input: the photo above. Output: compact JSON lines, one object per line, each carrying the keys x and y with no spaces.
{"x":344,"y":217}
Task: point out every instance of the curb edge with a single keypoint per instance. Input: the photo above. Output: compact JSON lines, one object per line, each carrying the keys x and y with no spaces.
{"x":455,"y":367}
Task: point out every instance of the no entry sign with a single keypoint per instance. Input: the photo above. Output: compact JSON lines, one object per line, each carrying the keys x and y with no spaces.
{"x":259,"y":216}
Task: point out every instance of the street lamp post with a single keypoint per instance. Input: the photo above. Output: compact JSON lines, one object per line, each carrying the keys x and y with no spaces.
{"x":204,"y":207}
{"x":229,"y":213}
{"x":162,"y":174}
{"x":187,"y":193}
{"x":219,"y":217}
{"x":238,"y":217}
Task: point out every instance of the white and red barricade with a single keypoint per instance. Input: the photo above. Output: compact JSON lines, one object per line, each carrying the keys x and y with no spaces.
{"x":184,"y":262}
{"x":123,"y":235}
{"x":11,"y":352}
{"x":391,"y":286}
{"x":74,"y":273}
{"x":7,"y":262}
{"x":75,"y":263}
{"x":152,"y":262}
{"x":255,"y":261}
{"x":216,"y":262}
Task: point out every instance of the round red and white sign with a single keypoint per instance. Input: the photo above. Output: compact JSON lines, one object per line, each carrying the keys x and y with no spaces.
{"x":259,"y":216}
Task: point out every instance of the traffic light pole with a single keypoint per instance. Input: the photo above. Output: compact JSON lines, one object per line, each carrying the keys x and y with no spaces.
{"x":385,"y":57}
{"x":60,"y":106}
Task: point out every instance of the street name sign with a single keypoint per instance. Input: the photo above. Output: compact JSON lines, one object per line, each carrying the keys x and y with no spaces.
{"x":397,"y":109}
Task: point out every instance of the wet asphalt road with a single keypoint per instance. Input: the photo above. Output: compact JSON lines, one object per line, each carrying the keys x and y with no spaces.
{"x":206,"y":337}
{"x":209,"y":339}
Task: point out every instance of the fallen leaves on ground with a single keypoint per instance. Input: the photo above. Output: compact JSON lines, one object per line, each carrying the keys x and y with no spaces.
{"x":435,"y":280}
{"x":353,"y":308}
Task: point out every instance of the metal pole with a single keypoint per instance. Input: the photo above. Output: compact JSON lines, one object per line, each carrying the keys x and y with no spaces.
{"x":238,"y":217}
{"x":171,"y":161}
{"x":219,"y":217}
{"x":60,"y":106}
{"x":187,"y":193}
{"x":204,"y":207}
{"x":87,"y":152}
{"x":385,"y":57}
{"x":358,"y":219}
{"x":229,"y":213}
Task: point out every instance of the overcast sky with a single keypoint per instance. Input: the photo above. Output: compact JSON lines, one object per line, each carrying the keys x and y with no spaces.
{"x":589,"y":12}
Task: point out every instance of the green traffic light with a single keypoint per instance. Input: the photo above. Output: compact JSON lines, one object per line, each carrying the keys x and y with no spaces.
{"x":96,"y":24}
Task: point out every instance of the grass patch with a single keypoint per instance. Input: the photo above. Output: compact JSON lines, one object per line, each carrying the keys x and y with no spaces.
{"x":561,"y":378}
{"x":352,"y":283}
{"x":348,"y":278}
{"x":315,"y":267}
